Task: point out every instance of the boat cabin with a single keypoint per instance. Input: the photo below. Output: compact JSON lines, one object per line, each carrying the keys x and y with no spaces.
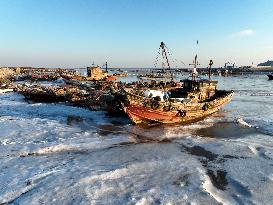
{"x":96,"y":73}
{"x":197,"y":91}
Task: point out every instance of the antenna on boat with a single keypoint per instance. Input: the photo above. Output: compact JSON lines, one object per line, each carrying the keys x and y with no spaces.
{"x":194,"y":64}
{"x":106,"y":67}
{"x":210,"y":64}
{"x":194,"y":69}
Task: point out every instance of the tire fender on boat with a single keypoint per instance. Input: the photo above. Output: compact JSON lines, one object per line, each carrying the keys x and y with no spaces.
{"x":169,"y":108}
{"x":181,"y":113}
{"x":155,"y":105}
{"x":205,"y":107}
{"x":145,"y":104}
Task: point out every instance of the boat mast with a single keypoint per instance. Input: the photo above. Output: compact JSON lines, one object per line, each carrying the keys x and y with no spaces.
{"x":164,"y":55}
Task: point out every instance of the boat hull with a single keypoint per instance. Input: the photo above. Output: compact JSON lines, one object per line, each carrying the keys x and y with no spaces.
{"x":270,"y":77}
{"x":43,"y":97}
{"x":187,"y":113}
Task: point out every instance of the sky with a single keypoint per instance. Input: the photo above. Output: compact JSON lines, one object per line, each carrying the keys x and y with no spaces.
{"x":127,"y":33}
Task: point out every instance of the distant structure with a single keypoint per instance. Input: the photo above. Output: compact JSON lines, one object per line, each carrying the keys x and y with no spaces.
{"x":229,"y":65}
{"x":266,"y":64}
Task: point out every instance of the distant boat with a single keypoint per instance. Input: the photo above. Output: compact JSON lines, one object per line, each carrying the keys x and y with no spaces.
{"x":270,"y":76}
{"x":6,"y":90}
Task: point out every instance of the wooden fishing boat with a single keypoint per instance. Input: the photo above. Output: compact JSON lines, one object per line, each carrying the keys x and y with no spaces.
{"x":153,"y":75}
{"x":90,"y":98}
{"x":270,"y":77}
{"x":183,"y":102}
{"x":42,"y":94}
{"x":190,"y":103}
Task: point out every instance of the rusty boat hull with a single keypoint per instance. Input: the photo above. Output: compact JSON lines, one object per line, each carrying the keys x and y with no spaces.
{"x":184,"y":113}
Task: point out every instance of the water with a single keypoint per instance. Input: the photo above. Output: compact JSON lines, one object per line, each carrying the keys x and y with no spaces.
{"x":57,"y":154}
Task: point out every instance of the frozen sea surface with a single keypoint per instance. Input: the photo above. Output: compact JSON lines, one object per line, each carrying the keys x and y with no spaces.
{"x":58,"y":154}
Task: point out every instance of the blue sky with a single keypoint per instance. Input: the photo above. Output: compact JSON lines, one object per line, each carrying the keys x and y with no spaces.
{"x":127,"y":33}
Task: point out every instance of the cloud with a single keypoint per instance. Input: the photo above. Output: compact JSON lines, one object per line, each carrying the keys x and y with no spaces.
{"x":247,"y":32}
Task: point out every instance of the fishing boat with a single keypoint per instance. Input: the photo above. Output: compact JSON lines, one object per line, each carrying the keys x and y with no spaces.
{"x":155,"y":76}
{"x":194,"y":100}
{"x":42,"y":93}
{"x":270,"y":76}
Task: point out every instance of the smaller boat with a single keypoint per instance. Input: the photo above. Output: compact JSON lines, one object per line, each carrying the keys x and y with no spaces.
{"x":270,"y":76}
{"x":6,"y":90}
{"x":153,"y":75}
{"x":111,"y":78}
{"x":39,"y":93}
{"x":120,"y":74}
